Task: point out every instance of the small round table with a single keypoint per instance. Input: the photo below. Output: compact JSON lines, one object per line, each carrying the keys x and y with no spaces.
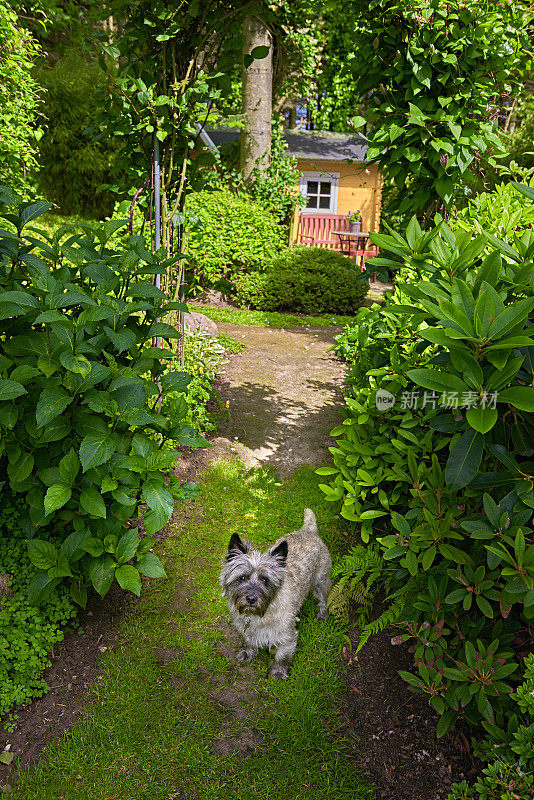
{"x":347,"y":239}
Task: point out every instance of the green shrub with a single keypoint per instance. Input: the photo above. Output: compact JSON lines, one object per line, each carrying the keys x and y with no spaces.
{"x":72,"y":166}
{"x":80,"y":388}
{"x":439,"y":472}
{"x":304,"y":279}
{"x":203,"y":354}
{"x":236,"y":234}
{"x":520,"y":146}
{"x":365,"y":343}
{"x":509,"y":774}
{"x":503,"y":212}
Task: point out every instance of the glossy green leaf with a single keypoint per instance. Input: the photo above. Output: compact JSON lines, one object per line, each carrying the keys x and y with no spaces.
{"x":97,"y":448}
{"x":127,"y":546}
{"x":92,"y":501}
{"x":101,"y":572}
{"x":52,"y":402}
{"x":482,"y":419}
{"x":521,"y":397}
{"x":464,"y":460}
{"x":56,"y":497}
{"x":9,"y":390}
{"x":43,"y":555}
{"x":129,"y":579}
{"x":150,"y":565}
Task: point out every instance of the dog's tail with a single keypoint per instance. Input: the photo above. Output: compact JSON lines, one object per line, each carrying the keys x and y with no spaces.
{"x":310,"y":523}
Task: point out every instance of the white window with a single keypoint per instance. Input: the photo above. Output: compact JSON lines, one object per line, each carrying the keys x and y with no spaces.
{"x":320,"y":192}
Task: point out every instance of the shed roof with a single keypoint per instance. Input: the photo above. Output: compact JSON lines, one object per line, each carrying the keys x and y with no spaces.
{"x":317,"y":145}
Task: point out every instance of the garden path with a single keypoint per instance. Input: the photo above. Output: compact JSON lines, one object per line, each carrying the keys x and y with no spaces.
{"x":172,"y":714}
{"x":283,"y":396}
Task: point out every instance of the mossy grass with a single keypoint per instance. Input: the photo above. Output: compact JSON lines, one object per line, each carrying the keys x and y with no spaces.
{"x":149,"y":728}
{"x":273,"y":319}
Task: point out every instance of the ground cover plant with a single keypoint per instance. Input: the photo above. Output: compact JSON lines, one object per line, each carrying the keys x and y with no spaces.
{"x":82,"y":439}
{"x":203,"y":355}
{"x":434,"y":461}
{"x":27,"y":634}
{"x":172,"y":699}
{"x":311,"y":280}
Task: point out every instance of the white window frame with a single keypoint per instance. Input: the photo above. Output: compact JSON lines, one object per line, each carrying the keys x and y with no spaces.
{"x":332,"y":177}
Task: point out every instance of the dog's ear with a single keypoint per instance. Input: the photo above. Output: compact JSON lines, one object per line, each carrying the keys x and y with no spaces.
{"x":280,"y":553}
{"x":235,"y":545}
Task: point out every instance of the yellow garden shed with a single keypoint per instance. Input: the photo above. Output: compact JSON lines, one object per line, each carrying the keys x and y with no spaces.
{"x":334,"y":181}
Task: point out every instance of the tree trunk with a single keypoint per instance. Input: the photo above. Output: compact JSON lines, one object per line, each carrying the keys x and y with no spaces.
{"x":257,"y":100}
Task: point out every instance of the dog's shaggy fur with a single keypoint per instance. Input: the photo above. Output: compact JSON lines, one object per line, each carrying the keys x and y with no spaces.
{"x":265,"y":591}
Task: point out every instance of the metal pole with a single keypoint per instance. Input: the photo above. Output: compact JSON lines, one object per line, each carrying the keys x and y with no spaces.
{"x":182,"y":318}
{"x":157,"y":225}
{"x":157,"y":201}
{"x":157,"y":213}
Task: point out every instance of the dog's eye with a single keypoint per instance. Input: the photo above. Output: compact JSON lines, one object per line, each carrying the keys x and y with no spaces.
{"x":265,"y":580}
{"x":242,"y":578}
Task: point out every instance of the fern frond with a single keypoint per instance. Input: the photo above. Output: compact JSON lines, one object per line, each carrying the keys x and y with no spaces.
{"x":400,"y":602}
{"x":339,"y":602}
{"x":387,"y":618}
{"x":356,"y":575}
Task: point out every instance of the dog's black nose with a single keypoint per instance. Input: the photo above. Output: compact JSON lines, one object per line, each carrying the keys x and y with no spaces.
{"x":251,"y":599}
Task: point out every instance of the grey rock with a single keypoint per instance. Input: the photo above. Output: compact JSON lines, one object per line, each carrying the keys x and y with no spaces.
{"x":199,"y":323}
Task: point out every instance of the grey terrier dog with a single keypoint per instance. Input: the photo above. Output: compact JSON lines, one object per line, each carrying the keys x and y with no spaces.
{"x":265,"y":591}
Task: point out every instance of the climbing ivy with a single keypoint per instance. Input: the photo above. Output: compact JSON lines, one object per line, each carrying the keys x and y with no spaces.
{"x":435,"y":72}
{"x":19,"y":98}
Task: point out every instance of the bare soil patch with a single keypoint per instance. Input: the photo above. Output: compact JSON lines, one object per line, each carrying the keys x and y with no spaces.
{"x":392,"y":730}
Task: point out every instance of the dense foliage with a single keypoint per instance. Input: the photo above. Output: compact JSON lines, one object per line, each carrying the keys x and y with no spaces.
{"x":81,"y":382}
{"x":203,"y":355}
{"x":434,"y":460}
{"x":19,"y":98}
{"x":72,"y":166}
{"x":310,"y":280}
{"x":234,"y":234}
{"x":277,"y":186}
{"x":436,"y":72}
{"x":520,"y":146}
{"x":162,"y":84}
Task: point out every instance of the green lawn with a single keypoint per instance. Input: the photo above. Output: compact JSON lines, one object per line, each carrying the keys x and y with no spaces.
{"x":149,"y":728}
{"x":272,"y":319}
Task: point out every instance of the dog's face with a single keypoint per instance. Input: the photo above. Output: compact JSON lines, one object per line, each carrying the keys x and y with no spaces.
{"x":251,"y":579}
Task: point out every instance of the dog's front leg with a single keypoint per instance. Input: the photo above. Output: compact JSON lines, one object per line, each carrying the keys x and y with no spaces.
{"x":246,"y":654}
{"x":282,"y":660}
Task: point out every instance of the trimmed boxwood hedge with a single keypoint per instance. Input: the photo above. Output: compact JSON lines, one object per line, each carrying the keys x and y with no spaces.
{"x":304,"y":279}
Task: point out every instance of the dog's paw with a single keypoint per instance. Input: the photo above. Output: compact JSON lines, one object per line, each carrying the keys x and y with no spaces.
{"x":279,"y":673}
{"x":245,"y":656}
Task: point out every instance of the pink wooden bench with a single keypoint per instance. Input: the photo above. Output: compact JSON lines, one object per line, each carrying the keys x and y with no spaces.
{"x":315,"y":230}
